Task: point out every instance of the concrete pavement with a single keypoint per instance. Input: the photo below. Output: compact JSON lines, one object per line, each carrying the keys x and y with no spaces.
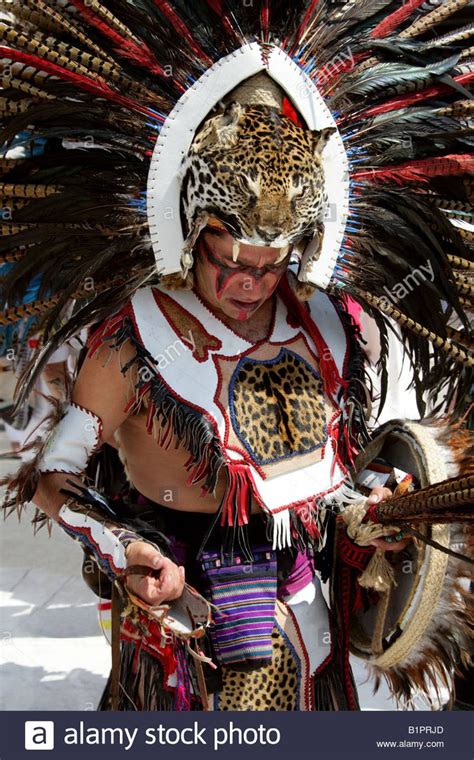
{"x":52,"y":653}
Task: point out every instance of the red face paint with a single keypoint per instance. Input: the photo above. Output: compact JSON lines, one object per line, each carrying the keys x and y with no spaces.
{"x":227,"y":272}
{"x":227,"y":282}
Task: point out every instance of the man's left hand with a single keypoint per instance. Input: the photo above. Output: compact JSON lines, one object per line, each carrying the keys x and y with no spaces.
{"x":377,"y":495}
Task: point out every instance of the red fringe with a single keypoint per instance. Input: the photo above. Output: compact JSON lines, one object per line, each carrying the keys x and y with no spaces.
{"x":135,"y":402}
{"x":307,"y":516}
{"x":198,"y":472}
{"x":351,"y":450}
{"x":149,"y":418}
{"x":420,"y":171}
{"x":396,"y":18}
{"x":239,"y":487}
{"x":166,"y":436}
{"x":106,"y":329}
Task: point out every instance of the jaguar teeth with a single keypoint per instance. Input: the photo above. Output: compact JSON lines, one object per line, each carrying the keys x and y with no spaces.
{"x":283,"y":254}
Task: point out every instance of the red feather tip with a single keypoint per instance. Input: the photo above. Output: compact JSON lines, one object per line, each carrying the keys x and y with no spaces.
{"x":421,"y":171}
{"x":180,"y":27}
{"x":95,"y":86}
{"x":396,"y":18}
{"x":416,"y":97}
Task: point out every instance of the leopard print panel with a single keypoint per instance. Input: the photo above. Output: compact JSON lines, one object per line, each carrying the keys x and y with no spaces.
{"x":273,"y":687}
{"x":277,"y":407}
{"x":259,"y":173}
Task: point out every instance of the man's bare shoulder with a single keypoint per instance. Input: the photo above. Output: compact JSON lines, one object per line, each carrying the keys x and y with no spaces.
{"x":106,"y":382}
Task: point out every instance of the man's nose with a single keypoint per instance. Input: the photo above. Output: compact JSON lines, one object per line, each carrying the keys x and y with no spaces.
{"x":254,"y":283}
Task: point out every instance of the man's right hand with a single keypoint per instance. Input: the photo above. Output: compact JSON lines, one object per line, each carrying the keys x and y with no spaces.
{"x":168,"y":586}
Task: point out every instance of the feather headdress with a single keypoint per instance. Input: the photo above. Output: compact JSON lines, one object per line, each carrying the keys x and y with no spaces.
{"x":107,"y":84}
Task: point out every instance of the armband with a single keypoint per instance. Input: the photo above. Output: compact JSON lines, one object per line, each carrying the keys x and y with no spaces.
{"x":72,"y":442}
{"x":106,"y":540}
{"x":89,"y":518}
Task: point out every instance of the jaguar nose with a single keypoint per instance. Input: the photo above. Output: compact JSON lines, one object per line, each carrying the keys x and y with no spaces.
{"x":268,"y":235}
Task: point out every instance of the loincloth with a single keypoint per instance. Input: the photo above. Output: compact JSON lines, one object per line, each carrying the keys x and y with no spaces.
{"x":306,"y":671}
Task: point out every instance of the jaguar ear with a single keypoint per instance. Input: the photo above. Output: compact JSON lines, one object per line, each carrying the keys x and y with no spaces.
{"x":219,"y":132}
{"x":320,"y":139}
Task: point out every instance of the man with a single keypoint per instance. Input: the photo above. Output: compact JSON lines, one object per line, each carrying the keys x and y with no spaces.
{"x":241,"y":294}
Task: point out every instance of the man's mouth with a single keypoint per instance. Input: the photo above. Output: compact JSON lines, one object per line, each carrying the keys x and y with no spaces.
{"x":245,"y":305}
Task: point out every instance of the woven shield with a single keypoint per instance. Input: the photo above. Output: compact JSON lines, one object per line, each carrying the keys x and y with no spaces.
{"x":418,"y":630}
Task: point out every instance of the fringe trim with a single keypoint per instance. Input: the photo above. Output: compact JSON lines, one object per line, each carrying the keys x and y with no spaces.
{"x":141,"y":685}
{"x":330,"y":688}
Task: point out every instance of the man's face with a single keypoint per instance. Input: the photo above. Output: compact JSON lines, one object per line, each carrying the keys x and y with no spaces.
{"x":237,"y":288}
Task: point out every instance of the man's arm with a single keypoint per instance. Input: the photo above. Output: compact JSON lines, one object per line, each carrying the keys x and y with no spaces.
{"x":103,"y":391}
{"x":100,"y":396}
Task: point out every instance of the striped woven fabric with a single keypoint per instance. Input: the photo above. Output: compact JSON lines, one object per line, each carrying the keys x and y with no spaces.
{"x":244,"y":595}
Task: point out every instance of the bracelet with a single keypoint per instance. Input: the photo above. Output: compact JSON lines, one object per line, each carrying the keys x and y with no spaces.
{"x":395,"y":538}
